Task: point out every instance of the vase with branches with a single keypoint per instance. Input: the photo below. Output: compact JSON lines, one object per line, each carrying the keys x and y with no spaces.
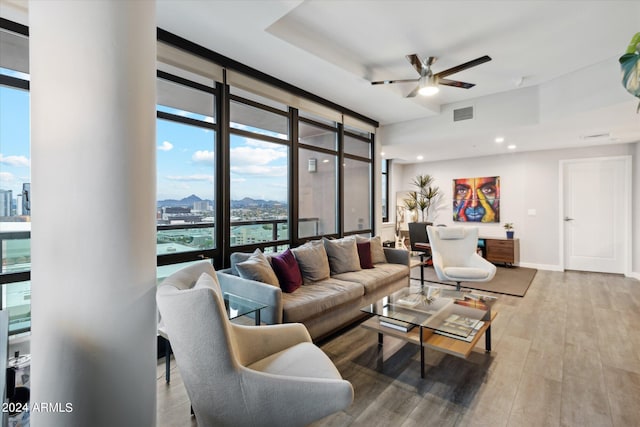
{"x":424,"y":197}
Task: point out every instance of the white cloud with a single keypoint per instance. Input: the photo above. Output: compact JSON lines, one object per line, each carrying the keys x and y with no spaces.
{"x":14,"y":161}
{"x":166,"y":146}
{"x":256,"y":156}
{"x":7,"y":177}
{"x":196,"y":177}
{"x":203,"y":156}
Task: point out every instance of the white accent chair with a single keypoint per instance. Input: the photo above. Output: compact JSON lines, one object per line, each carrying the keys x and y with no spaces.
{"x":238,"y":375}
{"x":455,"y":256}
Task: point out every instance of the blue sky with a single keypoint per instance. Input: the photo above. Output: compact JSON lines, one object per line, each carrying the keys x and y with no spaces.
{"x":185,"y":157}
{"x":15,"y":158}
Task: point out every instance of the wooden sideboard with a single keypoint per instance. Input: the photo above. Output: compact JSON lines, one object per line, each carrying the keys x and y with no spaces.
{"x":502,"y":250}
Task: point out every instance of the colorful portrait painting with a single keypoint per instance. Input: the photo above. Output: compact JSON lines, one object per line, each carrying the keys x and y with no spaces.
{"x":476,"y":199}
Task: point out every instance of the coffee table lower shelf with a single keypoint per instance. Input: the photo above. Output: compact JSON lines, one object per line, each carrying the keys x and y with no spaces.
{"x":429,"y":339}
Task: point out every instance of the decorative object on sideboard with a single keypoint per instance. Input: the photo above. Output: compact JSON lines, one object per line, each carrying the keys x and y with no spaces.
{"x":509,"y":227}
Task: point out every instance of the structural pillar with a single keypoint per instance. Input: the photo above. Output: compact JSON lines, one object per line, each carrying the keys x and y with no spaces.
{"x":92,"y":66}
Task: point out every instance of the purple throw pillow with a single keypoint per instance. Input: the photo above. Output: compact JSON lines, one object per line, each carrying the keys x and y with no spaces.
{"x":287,"y":270}
{"x":364,"y":252}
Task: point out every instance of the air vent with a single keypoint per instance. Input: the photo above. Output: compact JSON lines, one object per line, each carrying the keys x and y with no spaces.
{"x":463,"y":114}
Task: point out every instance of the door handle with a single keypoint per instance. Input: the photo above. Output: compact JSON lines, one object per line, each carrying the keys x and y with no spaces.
{"x":567,"y":219}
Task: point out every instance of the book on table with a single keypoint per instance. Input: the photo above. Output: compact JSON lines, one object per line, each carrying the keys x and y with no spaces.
{"x":458,"y":325}
{"x":468,"y":338}
{"x":396,"y":324}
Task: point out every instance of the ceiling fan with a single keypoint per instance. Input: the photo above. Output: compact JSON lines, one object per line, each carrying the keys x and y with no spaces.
{"x":428,"y":82}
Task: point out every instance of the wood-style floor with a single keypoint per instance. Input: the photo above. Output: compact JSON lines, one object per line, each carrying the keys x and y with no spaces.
{"x":567,"y":354}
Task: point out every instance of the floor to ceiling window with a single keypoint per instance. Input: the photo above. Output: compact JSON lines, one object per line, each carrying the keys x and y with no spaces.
{"x":15,"y":181}
{"x":259,"y":148}
{"x":317,"y":176}
{"x":185,"y":155}
{"x":357,"y":181}
{"x":237,"y":168}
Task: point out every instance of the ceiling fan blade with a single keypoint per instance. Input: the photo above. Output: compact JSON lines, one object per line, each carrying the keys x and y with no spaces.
{"x":430,"y":60}
{"x":464,"y":66}
{"x":388,"y":82}
{"x":416,"y":62}
{"x":456,"y":83}
{"x":414,"y":92}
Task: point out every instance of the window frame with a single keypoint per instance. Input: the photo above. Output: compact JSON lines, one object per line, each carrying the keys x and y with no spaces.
{"x":215,"y":252}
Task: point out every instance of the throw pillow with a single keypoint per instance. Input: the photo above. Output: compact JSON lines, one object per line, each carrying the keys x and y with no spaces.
{"x":257,"y":268}
{"x":342,"y":255}
{"x":286,"y":268}
{"x":313,"y":262}
{"x":377,"y":251}
{"x":364,"y":253}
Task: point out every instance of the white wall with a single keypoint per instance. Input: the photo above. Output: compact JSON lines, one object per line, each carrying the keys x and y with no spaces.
{"x":528,"y":181}
{"x":635,"y":217}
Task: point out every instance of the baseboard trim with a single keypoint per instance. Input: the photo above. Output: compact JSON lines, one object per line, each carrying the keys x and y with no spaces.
{"x":634,"y":275}
{"x":548,"y":267}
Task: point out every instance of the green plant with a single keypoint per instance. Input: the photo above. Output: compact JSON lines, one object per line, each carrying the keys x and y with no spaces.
{"x":508,"y":226}
{"x":424,"y":197}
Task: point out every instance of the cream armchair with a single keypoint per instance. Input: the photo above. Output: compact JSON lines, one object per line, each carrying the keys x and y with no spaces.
{"x":247,"y":375}
{"x":455,"y":257}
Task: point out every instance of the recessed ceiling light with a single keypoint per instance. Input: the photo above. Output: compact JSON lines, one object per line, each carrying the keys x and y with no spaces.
{"x":325,"y":161}
{"x":499,"y":139}
{"x":420,"y":157}
{"x":382,"y":153}
{"x":511,"y":147}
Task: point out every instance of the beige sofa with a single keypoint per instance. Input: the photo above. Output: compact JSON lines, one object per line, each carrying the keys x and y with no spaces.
{"x":327,"y":305}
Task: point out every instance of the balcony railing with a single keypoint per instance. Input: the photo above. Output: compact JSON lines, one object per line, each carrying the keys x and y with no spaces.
{"x":15,"y":253}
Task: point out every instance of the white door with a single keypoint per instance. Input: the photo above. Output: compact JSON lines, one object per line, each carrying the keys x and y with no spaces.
{"x":595,"y":214}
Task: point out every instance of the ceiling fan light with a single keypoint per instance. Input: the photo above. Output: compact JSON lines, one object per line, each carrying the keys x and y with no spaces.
{"x":428,"y":90}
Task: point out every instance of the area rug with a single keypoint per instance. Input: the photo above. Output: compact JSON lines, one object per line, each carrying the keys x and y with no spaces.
{"x":508,"y":280}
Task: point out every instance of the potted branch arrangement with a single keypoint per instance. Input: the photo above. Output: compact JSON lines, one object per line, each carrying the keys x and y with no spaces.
{"x":509,"y":227}
{"x":423,"y":198}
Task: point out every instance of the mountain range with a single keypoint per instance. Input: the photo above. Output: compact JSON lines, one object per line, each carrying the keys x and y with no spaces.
{"x":247,"y":202}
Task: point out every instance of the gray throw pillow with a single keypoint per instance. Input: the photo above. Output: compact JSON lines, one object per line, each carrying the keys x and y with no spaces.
{"x":377,"y":251}
{"x":312,"y":260}
{"x":257,"y":268}
{"x":342,"y":254}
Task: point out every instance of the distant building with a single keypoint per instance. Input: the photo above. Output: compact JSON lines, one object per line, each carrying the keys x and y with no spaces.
{"x":26,"y":198}
{"x":178,"y":215}
{"x":202,"y":206}
{"x":6,"y":198}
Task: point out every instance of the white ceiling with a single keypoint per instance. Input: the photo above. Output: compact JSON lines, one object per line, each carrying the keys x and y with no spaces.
{"x":554,"y":77}
{"x":559,"y":49}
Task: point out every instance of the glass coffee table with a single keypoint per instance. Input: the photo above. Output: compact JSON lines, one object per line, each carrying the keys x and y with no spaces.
{"x":238,"y":306}
{"x":435,"y":318}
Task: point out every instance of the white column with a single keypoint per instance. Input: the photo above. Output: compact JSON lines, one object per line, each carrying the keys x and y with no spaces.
{"x":92,"y":67}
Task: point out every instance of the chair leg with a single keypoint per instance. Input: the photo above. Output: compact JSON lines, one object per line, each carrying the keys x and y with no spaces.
{"x":167,"y":360}
{"x":457,"y":286}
